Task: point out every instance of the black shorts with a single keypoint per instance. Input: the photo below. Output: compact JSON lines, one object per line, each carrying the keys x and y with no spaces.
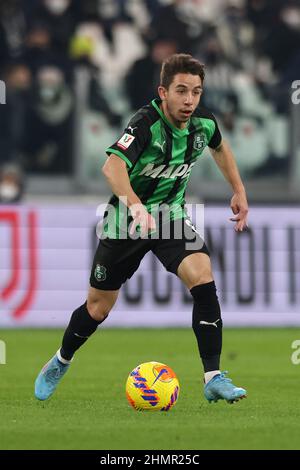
{"x":116,"y":260}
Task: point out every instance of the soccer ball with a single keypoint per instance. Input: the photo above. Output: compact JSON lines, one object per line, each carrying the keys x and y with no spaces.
{"x":152,"y":386}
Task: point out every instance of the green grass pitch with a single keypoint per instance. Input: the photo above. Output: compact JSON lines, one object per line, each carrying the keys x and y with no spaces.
{"x":89,"y":409}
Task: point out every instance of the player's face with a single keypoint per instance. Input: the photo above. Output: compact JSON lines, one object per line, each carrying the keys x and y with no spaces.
{"x":181,"y":99}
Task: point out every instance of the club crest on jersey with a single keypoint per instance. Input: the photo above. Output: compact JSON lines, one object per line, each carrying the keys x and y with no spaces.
{"x":125,"y":141}
{"x":199,"y":142}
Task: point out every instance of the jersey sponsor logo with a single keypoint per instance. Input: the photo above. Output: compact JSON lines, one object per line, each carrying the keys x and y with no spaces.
{"x":125,"y":141}
{"x":199,"y":142}
{"x":165,"y":171}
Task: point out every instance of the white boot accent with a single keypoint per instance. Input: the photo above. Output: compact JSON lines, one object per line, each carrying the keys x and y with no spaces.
{"x":209,"y":375}
{"x":61,"y":359}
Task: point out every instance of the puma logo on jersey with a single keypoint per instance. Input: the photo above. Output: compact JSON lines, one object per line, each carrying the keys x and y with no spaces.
{"x":165,"y":171}
{"x":159,"y":145}
{"x":131,"y":129}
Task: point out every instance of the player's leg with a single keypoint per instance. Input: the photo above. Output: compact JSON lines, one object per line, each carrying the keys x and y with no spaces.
{"x":187,"y":256}
{"x":105,"y":281}
{"x":83,"y":323}
{"x":196,"y":273}
{"x":86,"y":319}
{"x":115,"y":261}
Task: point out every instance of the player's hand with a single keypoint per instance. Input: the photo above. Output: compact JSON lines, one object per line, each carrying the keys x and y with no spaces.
{"x":239,"y":207}
{"x":142,"y":218}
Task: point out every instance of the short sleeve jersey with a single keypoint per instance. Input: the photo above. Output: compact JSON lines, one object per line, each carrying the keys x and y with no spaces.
{"x":160,"y":156}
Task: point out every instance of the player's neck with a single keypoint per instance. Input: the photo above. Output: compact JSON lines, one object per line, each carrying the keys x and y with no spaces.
{"x":178,"y":124}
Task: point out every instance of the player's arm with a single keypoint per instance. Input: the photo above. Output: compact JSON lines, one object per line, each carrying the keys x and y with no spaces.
{"x":123,"y":154}
{"x":225,"y":160}
{"x":115,"y":172}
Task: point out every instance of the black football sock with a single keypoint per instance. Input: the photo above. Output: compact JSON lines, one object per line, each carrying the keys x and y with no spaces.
{"x":207,"y":325}
{"x":80,"y":328}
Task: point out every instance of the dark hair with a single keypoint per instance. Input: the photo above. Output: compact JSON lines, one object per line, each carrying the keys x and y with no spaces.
{"x":180,"y":63}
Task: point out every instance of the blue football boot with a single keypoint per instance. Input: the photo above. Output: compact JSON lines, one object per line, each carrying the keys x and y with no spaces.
{"x":49,"y":377}
{"x":221,"y":387}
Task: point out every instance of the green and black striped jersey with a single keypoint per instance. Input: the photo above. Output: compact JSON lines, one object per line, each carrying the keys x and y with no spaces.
{"x":160,"y":156}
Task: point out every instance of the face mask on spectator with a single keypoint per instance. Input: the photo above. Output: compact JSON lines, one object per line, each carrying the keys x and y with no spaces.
{"x":291,"y":17}
{"x":57,"y":7}
{"x":50,"y":81}
{"x":48,"y":93}
{"x":8,"y":191}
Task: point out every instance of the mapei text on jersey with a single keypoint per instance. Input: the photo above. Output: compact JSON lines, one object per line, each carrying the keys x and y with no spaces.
{"x":166,"y":171}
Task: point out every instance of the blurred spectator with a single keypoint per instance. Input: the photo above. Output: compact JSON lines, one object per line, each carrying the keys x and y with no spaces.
{"x":12,"y":31}
{"x":143,"y":78}
{"x":263,"y":14}
{"x":112,"y":12}
{"x":49,"y":127}
{"x":40,"y":52}
{"x":174,"y":22}
{"x":248,"y":139}
{"x":282,"y":42}
{"x":13,"y":114}
{"x":11,"y":184}
{"x":97,"y":100}
{"x":82,"y":50}
{"x":220,"y":74}
{"x":60,"y":18}
{"x":250,"y":49}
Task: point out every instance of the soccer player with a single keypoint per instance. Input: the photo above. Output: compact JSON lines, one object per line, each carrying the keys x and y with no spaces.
{"x":149,"y":166}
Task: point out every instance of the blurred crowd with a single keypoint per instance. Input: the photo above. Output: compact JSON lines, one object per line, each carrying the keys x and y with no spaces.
{"x":250,"y":49}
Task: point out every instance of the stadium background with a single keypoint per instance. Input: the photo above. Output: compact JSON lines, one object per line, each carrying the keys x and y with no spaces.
{"x":74,"y":72}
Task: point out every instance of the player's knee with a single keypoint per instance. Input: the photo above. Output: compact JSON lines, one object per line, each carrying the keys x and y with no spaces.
{"x":200,"y":277}
{"x":99,"y":306}
{"x":98,"y":310}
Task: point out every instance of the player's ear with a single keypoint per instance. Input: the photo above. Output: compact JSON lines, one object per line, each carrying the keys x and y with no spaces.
{"x":162,"y":92}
